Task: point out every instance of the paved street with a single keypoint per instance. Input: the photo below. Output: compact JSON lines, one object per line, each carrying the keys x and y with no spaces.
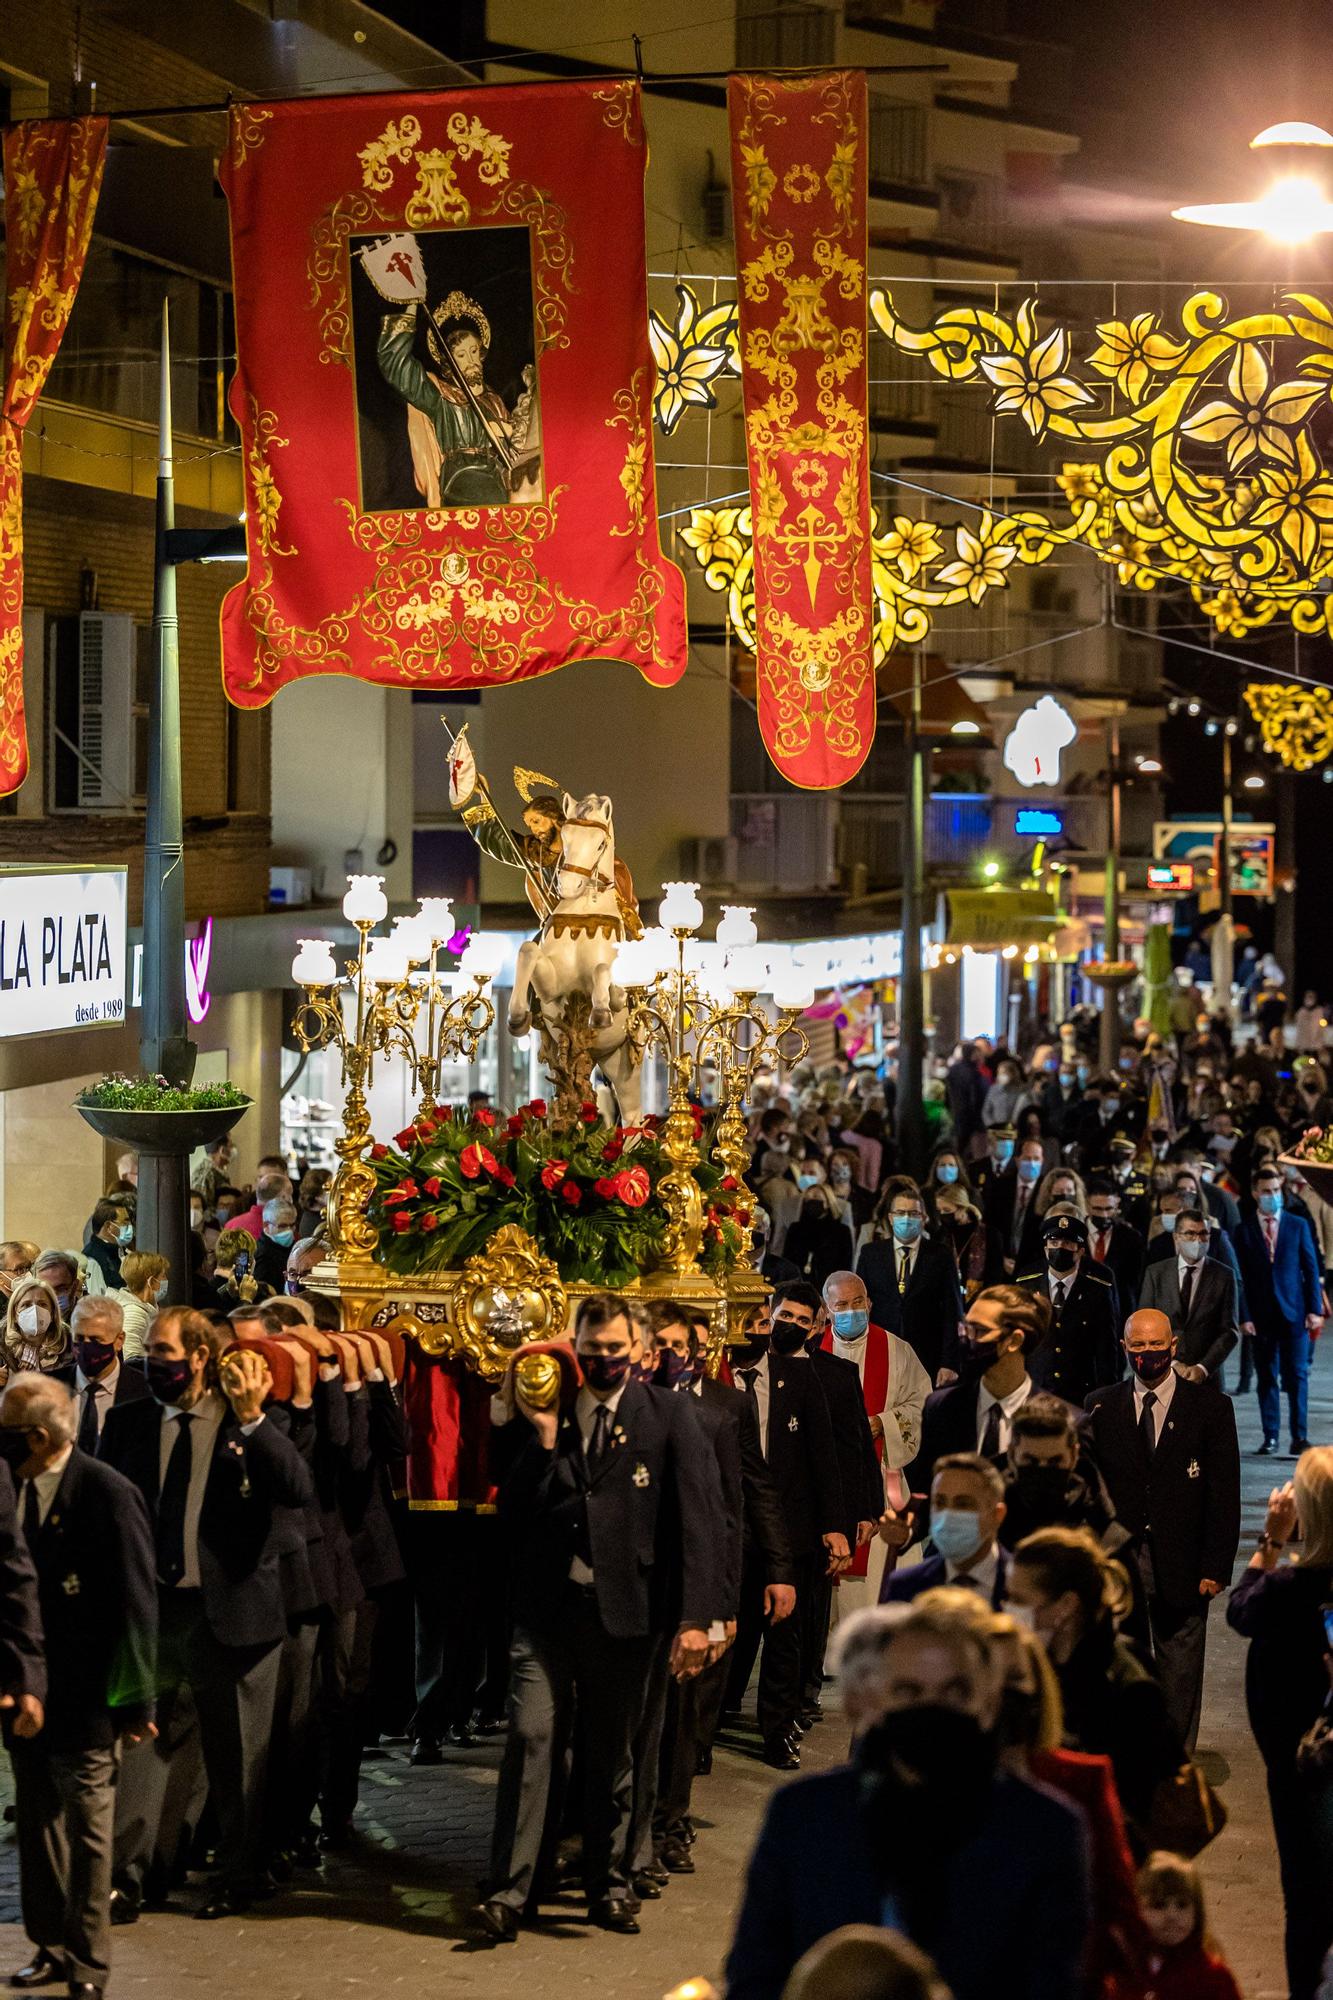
{"x":392,"y":1918}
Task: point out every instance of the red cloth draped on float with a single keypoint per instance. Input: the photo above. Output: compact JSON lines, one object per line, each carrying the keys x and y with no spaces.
{"x":798,"y":174}
{"x":447,"y":1409}
{"x":444,"y":390}
{"x":53,"y":172}
{"x":875,"y":1389}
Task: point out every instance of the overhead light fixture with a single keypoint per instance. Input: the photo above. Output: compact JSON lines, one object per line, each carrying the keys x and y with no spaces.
{"x":990,"y":869}
{"x":1295,"y":208}
{"x":1210,"y":726}
{"x":1254,"y":783}
{"x":1195,"y":708}
{"x":1173,"y":706}
{"x":965,"y":727}
{"x":1230,"y":727}
{"x":1150,"y":766}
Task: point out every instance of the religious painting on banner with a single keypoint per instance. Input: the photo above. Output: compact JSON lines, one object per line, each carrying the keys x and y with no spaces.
{"x":798,"y":168}
{"x":444,"y":388}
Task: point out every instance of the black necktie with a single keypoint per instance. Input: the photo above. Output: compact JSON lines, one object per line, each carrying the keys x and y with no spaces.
{"x":171,"y":1504}
{"x":601,"y":1431}
{"x":1058,"y":1296}
{"x":1147,"y":1427}
{"x":1187,"y":1293}
{"x":747,"y":1376}
{"x":88,"y":1420}
{"x":32,"y":1519}
{"x":990,"y":1436}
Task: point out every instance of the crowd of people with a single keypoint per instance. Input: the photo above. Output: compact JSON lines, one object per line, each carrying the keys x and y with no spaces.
{"x":980,"y":1441}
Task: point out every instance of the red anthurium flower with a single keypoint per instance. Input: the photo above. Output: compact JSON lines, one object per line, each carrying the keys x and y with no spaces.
{"x":402,"y":1220}
{"x":553,"y":1173}
{"x":588,"y":1113}
{"x":430,"y":1222}
{"x":505,"y":1176}
{"x":469,"y":1161}
{"x":633,"y":1186}
{"x":482,"y":1116}
{"x":432,"y":1186}
{"x":406,"y":1190}
{"x":402,"y":1140}
{"x":573,"y":1193}
{"x":379,"y":1152}
{"x":488,"y":1160}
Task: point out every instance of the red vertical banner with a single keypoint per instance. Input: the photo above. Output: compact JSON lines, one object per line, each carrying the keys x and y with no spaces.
{"x":798,"y":176}
{"x":53,"y":173}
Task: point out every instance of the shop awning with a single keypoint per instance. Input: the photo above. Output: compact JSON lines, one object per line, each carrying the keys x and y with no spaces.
{"x":944,"y":701}
{"x":987,"y":918}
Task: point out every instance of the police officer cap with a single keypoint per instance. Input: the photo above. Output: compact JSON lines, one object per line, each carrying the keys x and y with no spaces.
{"x":1065,"y":1229}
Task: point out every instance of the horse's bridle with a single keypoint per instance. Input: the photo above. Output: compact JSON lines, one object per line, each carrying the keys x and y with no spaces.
{"x":592,"y":875}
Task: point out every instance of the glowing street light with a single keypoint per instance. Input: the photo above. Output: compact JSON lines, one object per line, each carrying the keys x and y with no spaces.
{"x":1296,"y":206}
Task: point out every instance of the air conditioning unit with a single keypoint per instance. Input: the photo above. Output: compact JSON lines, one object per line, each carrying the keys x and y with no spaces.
{"x":93,"y":712}
{"x":711,"y":861}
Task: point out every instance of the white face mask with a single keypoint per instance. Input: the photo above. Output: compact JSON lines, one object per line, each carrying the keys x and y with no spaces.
{"x":160,"y":1290}
{"x":33,"y":1319}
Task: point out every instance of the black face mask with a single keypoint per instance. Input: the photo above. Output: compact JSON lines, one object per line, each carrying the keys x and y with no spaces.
{"x":1042,"y":1482}
{"x":930,"y":1745}
{"x":747,"y":1353}
{"x":673,"y":1371}
{"x":933,"y":1764}
{"x":788,"y":1336}
{"x":976,"y":1357}
{"x":92,"y":1356}
{"x":168,"y":1380}
{"x":1061,"y":1257}
{"x":1152,"y":1364}
{"x":605,"y":1371}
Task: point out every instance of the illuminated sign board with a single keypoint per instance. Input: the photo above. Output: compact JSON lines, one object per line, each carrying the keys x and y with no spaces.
{"x":62,"y":949}
{"x":1037,"y":823}
{"x":1171,"y":875}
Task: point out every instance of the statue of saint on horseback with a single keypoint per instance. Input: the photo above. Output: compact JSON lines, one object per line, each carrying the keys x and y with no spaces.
{"x":584,"y":899}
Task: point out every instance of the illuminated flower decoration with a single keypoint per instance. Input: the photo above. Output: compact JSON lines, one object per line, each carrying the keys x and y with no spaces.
{"x":1261,"y":415}
{"x":909,"y":545}
{"x":712,"y":534}
{"x":690,"y":355}
{"x":1031,"y":380}
{"x":1130,"y":355}
{"x":1299,"y":504}
{"x":1080,"y":482}
{"x":1227,"y":614}
{"x":981,"y":562}
{"x":1132,"y":559}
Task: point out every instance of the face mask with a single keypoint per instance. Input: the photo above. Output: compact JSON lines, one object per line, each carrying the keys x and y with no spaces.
{"x":92,"y":1356}
{"x":956,"y":1534}
{"x":125,"y":1235}
{"x":1101,"y":1222}
{"x":1270,"y":1204}
{"x":747,"y":1353}
{"x":1061,"y":1257}
{"x":852,"y":1323}
{"x":942,"y":1749}
{"x":168,"y":1380}
{"x":946,"y":1173}
{"x":1004,"y":1152}
{"x":286,"y":1237}
{"x":906,"y":1228}
{"x":604,"y":1371}
{"x":841,"y":1178}
{"x":1083,"y":1072}
{"x":977,"y":1357}
{"x":160,"y":1290}
{"x":788,"y":1335}
{"x":1192,"y":1252}
{"x":33,"y":1319}
{"x":1042,"y":1486}
{"x":1152,"y":1364}
{"x":1222,"y":1142}
{"x":196,"y":1222}
{"x":1110,"y":1105}
{"x":1066,"y":1078}
{"x":63,"y":1302}
{"x":673,"y":1371}
{"x":780,"y":1145}
{"x":1029,"y":1170}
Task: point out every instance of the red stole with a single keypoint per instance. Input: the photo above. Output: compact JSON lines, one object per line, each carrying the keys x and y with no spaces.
{"x":875,"y":1388}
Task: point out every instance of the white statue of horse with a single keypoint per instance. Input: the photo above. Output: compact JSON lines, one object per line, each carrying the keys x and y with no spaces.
{"x":575,"y":949}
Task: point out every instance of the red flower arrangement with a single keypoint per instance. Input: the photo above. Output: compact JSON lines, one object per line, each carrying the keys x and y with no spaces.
{"x":586,"y":1196}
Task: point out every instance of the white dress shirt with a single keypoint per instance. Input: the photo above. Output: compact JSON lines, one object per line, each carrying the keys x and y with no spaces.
{"x":979,"y":1576}
{"x":760,"y":1398}
{"x":586,"y":1406}
{"x":1008,"y":1406}
{"x":105,"y":1387}
{"x":207,"y":1413}
{"x":47,"y":1482}
{"x":1164,"y":1391}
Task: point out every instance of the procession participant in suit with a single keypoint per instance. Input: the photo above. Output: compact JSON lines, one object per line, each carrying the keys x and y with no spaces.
{"x":913,"y":1284}
{"x":997,"y":1163}
{"x":1279,"y":1266}
{"x":1011,"y":1199}
{"x":1167,"y":1448}
{"x":797,"y":1439}
{"x":88,"y":1534}
{"x":967,"y":1509}
{"x":613,"y":1503}
{"x":1197,"y":1293}
{"x":97,"y":1378}
{"x":1161,"y":1246}
{"x":1112,"y":1243}
{"x":1003,"y":1326}
{"x":1080,"y":1351}
{"x":214,"y":1471}
{"x":1051,"y":1479}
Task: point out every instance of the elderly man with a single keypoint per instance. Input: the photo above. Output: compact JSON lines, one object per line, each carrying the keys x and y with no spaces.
{"x":275,"y":1242}
{"x":97,"y":1378}
{"x":88,"y":1533}
{"x":304,"y":1255}
{"x":60,"y":1270}
{"x":895,"y":1387}
{"x":918,"y":1832}
{"x":271,"y":1184}
{"x":1167,"y":1450}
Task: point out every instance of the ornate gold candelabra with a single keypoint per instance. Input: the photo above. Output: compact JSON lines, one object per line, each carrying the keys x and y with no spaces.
{"x":389,"y":1002}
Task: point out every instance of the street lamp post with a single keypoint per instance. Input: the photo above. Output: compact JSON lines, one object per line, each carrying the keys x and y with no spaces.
{"x":911,"y":1115}
{"x":1110,"y":1029}
{"x":1224,"y":933}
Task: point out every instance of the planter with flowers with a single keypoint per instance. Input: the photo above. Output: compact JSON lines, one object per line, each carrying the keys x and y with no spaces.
{"x":154,"y":1116}
{"x":1312,"y":1156}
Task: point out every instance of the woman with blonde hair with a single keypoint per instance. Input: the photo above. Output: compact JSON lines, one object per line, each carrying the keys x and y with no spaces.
{"x":143,"y":1286}
{"x":34,"y":1337}
{"x":1279,"y":1606}
{"x":234,"y":1278}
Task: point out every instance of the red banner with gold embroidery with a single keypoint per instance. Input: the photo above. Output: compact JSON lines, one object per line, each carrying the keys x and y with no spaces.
{"x":798,"y":176}
{"x":53,"y":173}
{"x":444,"y":388}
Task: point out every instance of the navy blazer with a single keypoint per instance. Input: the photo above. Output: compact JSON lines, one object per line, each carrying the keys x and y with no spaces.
{"x":240,"y":1526}
{"x":96,"y":1574}
{"x":1284,"y":1291}
{"x":1014,"y":1908}
{"x":900,"y":1586}
{"x":22,"y":1662}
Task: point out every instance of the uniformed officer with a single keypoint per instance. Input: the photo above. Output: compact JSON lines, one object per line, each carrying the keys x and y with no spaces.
{"x":1080,"y":1353}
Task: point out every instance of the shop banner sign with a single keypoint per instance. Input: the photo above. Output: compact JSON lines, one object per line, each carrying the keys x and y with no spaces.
{"x":798,"y":174}
{"x":444,"y":390}
{"x":62,"y":949}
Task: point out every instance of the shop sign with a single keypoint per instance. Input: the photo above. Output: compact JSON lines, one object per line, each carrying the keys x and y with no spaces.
{"x":198,"y":954}
{"x":62,"y":949}
{"x":985,"y":918}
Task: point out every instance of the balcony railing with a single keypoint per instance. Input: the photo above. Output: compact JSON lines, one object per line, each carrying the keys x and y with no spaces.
{"x":899,"y":143}
{"x":784,"y":37}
